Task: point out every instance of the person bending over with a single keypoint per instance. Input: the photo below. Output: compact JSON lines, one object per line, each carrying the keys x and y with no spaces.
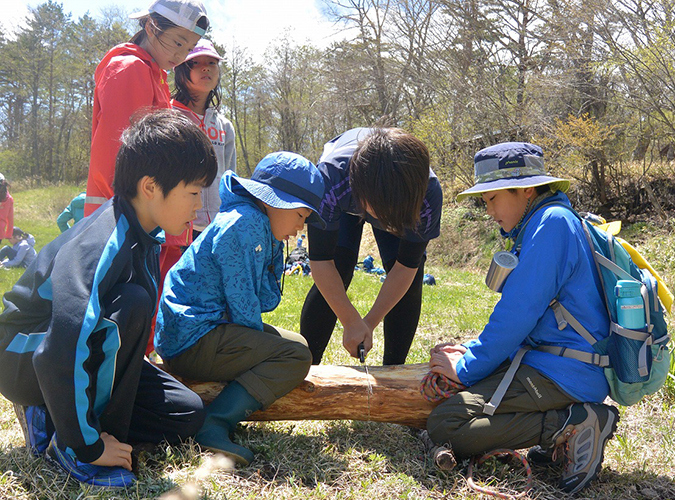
{"x":379,"y":176}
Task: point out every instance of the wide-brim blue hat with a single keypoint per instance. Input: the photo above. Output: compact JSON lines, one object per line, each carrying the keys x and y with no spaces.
{"x":511,"y":165}
{"x":287,"y":180}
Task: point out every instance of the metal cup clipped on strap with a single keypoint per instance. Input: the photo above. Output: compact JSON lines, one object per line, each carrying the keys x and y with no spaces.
{"x":501,"y":266}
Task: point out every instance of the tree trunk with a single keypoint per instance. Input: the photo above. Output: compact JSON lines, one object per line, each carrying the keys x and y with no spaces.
{"x":384,"y":394}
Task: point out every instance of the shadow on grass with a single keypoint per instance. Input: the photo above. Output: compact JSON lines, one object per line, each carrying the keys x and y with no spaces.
{"x":340,"y":450}
{"x":609,"y":485}
{"x":27,"y":476}
{"x":343,"y":452}
{"x":634,"y":485}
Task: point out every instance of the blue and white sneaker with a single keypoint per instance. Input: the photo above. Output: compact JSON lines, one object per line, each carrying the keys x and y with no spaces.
{"x":33,"y":420}
{"x":96,"y":475}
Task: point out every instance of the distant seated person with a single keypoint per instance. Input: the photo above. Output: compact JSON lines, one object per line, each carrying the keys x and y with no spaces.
{"x":74,"y":211}
{"x":21,"y":253}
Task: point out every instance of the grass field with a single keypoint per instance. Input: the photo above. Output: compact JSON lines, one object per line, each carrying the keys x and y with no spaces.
{"x":362,"y":460}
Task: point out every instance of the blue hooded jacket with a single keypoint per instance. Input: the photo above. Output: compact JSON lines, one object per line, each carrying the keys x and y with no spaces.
{"x":555,"y":262}
{"x":230,"y":274}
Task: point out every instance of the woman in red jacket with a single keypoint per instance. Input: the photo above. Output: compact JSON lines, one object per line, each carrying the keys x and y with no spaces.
{"x":131,"y":78}
{"x":6,"y":210}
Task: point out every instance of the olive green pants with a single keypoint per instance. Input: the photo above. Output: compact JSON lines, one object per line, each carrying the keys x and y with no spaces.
{"x":268,"y":364}
{"x":532,"y":410}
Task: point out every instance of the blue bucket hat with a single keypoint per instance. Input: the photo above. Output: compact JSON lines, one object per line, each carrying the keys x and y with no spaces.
{"x":510,"y":165}
{"x":286,"y":180}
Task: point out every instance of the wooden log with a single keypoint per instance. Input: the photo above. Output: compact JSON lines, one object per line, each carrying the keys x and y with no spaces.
{"x":383,"y":394}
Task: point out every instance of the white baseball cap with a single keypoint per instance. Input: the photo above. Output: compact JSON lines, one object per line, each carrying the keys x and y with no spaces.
{"x":184,"y":13}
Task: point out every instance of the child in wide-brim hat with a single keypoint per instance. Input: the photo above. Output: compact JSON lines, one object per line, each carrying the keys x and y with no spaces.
{"x":210,"y":325}
{"x":551,"y":401}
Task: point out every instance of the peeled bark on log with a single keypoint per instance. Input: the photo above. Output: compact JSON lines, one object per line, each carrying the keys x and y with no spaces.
{"x":384,"y":394}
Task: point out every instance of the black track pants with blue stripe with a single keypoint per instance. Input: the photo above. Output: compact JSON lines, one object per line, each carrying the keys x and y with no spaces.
{"x":145,"y":405}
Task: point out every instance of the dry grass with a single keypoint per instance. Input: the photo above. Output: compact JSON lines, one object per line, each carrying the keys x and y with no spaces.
{"x":364,"y":460}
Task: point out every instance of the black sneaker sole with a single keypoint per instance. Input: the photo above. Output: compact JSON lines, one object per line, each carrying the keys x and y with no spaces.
{"x":537,"y":457}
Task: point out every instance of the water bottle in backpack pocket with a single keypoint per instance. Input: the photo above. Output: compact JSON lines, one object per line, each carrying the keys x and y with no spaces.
{"x":637,"y":344}
{"x":628,"y":338}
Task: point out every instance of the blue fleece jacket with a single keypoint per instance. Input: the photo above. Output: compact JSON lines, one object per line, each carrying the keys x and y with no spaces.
{"x":555,"y":261}
{"x":230,"y":274}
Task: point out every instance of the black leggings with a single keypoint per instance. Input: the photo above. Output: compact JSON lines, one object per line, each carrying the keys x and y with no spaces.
{"x":318,"y":319}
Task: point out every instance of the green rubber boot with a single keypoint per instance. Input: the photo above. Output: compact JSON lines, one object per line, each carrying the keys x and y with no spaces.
{"x":229,"y":408}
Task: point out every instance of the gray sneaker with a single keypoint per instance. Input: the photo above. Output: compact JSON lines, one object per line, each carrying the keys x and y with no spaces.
{"x":583,"y":437}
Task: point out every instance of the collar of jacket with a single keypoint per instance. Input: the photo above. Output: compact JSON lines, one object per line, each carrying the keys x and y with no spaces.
{"x":143,"y":237}
{"x":538,"y":201}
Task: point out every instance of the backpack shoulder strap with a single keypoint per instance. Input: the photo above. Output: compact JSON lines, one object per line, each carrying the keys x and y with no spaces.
{"x":490,"y":407}
{"x":564,"y":318}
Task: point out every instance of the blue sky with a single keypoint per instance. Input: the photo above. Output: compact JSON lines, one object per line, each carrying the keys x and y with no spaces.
{"x":247,"y":23}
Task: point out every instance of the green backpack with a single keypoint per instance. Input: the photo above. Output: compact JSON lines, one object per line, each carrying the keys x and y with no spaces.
{"x":636,"y":362}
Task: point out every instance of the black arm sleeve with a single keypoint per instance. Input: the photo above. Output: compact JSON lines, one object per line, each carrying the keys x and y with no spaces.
{"x":321,"y":243}
{"x":410,"y":253}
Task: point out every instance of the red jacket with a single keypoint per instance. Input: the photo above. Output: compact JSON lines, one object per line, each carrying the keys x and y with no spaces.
{"x":127,"y":80}
{"x":7,"y":217}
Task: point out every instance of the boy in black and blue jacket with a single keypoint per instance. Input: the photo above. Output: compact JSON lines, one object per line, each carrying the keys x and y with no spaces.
{"x":75,"y":326}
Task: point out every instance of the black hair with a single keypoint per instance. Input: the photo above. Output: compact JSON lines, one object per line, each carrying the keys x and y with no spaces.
{"x":181,"y":94}
{"x":18,"y":233}
{"x":166,"y":146}
{"x":389,"y":172}
{"x":3,"y":190}
{"x":542,"y":189}
{"x":158,"y":23}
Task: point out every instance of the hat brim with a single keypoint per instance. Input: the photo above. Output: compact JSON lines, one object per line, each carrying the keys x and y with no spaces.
{"x":139,"y":14}
{"x":205,"y":53}
{"x":277,"y":198}
{"x":556,"y":184}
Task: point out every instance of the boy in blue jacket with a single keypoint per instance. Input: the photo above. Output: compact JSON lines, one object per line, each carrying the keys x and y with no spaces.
{"x":209,"y":326}
{"x":75,"y":326}
{"x":552,"y":401}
